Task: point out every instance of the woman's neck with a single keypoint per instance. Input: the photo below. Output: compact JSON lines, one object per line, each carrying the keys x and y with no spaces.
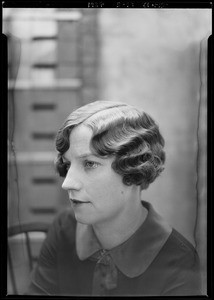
{"x":115,"y":233}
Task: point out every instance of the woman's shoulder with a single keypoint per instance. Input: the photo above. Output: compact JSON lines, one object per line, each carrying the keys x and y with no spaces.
{"x":179,"y":241}
{"x":181,"y":249}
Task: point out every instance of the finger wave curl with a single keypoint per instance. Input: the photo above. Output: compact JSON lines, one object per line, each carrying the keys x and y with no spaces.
{"x":138,"y":149}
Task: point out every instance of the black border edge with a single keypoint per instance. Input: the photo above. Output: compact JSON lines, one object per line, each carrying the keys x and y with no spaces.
{"x":107,"y":4}
{"x":210,"y":167}
{"x":3,"y":160}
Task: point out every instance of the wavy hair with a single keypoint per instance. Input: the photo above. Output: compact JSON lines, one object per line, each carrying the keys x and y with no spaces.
{"x":120,"y":130}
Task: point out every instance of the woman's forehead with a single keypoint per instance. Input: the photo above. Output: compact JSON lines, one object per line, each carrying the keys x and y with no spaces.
{"x":80,"y":138}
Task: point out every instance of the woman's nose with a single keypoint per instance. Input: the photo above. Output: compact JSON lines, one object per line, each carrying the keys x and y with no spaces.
{"x":71,"y":182}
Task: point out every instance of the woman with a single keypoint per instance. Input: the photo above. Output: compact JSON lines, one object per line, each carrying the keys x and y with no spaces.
{"x":110,"y":242}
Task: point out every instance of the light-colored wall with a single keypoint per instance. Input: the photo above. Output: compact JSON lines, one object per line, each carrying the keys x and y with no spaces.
{"x":150,"y":58}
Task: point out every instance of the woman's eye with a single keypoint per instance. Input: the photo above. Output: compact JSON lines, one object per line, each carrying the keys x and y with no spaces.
{"x":90,"y":164}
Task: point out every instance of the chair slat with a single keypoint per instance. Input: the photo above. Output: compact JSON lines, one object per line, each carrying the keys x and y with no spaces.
{"x":25,"y":229}
{"x":12,"y":276}
{"x":29,"y":250}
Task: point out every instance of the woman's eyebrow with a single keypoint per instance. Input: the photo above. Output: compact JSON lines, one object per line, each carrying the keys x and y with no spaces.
{"x":84,"y":155}
{"x":81,"y":156}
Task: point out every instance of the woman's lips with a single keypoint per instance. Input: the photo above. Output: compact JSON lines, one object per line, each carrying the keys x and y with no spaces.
{"x":75,"y":201}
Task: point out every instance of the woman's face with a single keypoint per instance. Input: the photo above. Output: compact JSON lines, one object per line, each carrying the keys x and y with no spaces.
{"x":97,"y":194}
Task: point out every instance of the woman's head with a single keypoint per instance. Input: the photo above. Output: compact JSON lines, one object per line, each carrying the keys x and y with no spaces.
{"x":123,"y":132}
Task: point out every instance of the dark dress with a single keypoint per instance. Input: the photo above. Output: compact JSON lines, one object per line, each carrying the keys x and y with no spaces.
{"x":155,"y":261}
